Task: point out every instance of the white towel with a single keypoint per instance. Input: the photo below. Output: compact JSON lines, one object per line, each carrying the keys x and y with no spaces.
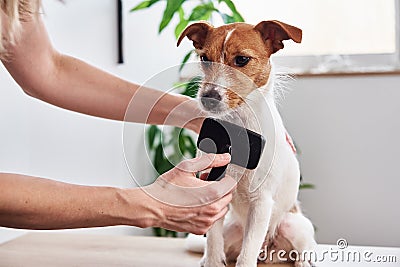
{"x":195,"y":243}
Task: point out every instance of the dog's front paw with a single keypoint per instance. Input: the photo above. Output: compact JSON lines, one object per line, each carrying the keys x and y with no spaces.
{"x":213,"y":262}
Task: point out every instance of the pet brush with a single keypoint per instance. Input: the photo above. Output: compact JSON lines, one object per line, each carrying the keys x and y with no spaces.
{"x":218,"y":136}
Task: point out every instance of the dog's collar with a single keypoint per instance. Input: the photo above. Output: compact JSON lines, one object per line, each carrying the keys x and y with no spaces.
{"x":289,"y":140}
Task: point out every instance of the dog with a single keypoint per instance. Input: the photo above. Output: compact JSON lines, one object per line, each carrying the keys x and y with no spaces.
{"x":239,"y":85}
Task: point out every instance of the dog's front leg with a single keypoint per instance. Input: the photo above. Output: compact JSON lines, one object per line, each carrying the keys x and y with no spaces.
{"x":255,"y":231}
{"x":214,"y":255}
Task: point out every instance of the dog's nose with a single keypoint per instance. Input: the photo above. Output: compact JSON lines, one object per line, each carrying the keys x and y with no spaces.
{"x":211,"y":99}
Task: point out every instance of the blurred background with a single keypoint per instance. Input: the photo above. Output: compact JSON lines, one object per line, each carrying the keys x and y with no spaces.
{"x":342,"y":110}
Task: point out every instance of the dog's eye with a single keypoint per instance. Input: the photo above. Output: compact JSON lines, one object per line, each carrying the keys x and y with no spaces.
{"x":204,"y":58}
{"x":241,"y":61}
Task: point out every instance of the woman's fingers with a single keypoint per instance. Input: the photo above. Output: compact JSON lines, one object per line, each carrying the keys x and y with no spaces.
{"x":190,"y":204}
{"x":197,"y":222}
{"x":204,"y":162}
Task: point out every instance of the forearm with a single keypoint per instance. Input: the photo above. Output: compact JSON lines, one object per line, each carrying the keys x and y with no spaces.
{"x":78,"y":86}
{"x":36,"y":203}
{"x":95,"y":92}
{"x":72,"y":84}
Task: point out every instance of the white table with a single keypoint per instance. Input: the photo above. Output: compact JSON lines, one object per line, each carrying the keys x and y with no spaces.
{"x":60,"y":249}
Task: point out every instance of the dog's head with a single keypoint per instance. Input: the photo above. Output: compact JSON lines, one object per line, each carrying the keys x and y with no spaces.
{"x":235,"y":59}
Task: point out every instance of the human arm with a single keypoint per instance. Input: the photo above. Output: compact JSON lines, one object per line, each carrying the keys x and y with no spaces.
{"x":70,"y":83}
{"x":36,"y":203}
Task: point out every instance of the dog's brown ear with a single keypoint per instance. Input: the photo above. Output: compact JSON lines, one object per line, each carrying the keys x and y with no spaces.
{"x":276,"y":31}
{"x":196,"y":32}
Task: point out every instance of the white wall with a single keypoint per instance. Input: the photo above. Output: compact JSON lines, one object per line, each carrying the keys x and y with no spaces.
{"x":345,"y":127}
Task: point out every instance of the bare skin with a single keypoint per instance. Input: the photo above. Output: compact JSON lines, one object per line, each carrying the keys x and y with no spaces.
{"x":37,"y":203}
{"x":67,"y":82}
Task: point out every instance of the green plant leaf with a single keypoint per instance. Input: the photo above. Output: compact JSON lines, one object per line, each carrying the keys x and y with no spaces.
{"x":168,"y":233}
{"x":152,"y":132}
{"x":181,"y":13}
{"x":144,"y":4}
{"x":180,"y":85}
{"x":191,"y":146}
{"x":163,"y":232}
{"x":236,"y":15}
{"x":174,"y":137}
{"x":159,"y":158}
{"x":165,"y":166}
{"x":182,"y":22}
{"x":192,"y":87}
{"x":157,"y":231}
{"x":180,"y":27}
{"x":182,"y":143}
{"x":227,"y":19}
{"x":185,"y":60}
{"x":172,"y":7}
{"x":202,"y":12}
{"x":306,"y":186}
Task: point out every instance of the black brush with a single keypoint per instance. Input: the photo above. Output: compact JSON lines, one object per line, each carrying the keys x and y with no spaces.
{"x":218,"y":136}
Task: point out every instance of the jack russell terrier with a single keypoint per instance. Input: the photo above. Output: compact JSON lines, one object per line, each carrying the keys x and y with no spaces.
{"x":264,"y":214}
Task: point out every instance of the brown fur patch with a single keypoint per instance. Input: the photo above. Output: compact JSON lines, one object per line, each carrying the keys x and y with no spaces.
{"x":243,"y":40}
{"x":223,"y":44}
{"x":295,"y":208}
{"x":234,"y":100}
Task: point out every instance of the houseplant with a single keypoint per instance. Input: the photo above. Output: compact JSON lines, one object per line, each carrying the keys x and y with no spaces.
{"x":178,"y":141}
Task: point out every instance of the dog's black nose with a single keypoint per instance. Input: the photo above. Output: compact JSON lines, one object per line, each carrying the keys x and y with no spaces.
{"x":211,"y":99}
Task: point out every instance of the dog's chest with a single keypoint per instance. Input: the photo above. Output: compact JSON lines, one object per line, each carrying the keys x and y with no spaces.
{"x":241,"y":196}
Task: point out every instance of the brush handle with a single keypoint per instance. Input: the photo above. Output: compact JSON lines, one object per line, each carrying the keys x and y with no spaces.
{"x":217,"y":173}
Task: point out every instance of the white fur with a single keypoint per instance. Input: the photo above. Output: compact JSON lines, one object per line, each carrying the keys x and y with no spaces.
{"x":260,"y":210}
{"x":228,"y":35}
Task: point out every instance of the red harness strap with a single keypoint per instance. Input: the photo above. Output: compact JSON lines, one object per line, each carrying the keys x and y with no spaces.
{"x":290,"y":142}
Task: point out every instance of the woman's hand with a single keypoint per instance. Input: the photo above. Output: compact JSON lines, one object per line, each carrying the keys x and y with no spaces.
{"x":177,"y":200}
{"x":181,"y":202}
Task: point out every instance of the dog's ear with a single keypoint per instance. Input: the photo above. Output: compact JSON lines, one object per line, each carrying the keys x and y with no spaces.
{"x":196,"y":32}
{"x":275,"y":32}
